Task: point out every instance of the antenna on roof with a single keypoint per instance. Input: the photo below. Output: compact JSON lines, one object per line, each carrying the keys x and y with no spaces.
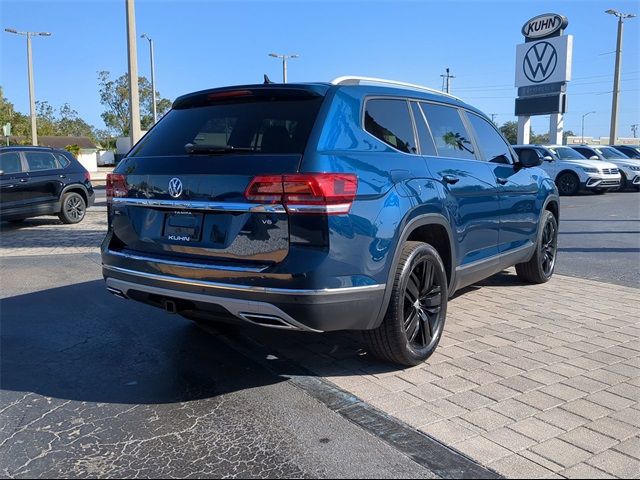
{"x":267,"y":80}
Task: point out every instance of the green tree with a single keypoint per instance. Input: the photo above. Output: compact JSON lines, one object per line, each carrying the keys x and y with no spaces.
{"x":510,"y":131}
{"x":114,"y":95}
{"x":20,"y":124}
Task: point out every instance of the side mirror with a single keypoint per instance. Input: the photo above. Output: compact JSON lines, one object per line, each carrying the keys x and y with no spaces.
{"x":547,"y":158}
{"x":594,"y":157}
{"x":529,"y":159}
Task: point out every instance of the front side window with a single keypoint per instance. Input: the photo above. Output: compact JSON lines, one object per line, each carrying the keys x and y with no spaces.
{"x":490,"y":142}
{"x":40,"y":161}
{"x":389,"y":121}
{"x":448,"y":130}
{"x":10,"y":162}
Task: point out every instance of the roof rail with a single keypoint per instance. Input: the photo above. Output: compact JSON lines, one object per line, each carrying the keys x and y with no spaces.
{"x":355,"y":80}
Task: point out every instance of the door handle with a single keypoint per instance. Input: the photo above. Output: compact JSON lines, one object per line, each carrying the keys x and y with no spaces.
{"x":502,"y":181}
{"x":24,"y":180}
{"x":62,"y":176}
{"x":450,"y":179}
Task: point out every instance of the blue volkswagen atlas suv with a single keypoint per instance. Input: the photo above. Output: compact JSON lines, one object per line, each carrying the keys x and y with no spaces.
{"x":360,"y":204}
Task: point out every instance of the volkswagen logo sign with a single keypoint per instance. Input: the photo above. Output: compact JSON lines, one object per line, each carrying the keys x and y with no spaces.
{"x":540,"y":62}
{"x":175,"y":187}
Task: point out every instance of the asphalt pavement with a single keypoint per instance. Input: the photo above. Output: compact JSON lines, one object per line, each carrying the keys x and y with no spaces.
{"x":600,"y":237}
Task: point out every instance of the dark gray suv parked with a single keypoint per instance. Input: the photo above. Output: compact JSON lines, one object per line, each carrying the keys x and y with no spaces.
{"x":37,"y":181}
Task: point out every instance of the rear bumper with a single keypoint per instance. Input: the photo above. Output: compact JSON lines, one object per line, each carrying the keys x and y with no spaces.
{"x":350,"y":308}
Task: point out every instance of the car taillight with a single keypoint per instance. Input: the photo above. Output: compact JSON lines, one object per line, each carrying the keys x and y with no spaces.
{"x":116,"y":185}
{"x":87,"y":176}
{"x":327,"y":193}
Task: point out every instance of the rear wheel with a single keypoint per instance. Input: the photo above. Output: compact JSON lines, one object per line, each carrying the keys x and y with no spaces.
{"x":417,"y":310}
{"x":540,"y":268}
{"x":73,"y":208}
{"x":568,"y":183}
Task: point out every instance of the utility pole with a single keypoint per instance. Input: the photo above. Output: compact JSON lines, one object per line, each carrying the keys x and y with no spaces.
{"x":446,"y":80}
{"x":134,"y":95}
{"x":284,"y":63}
{"x":634,"y":129}
{"x":493,"y":117}
{"x":32,"y":93}
{"x":616,"y":77}
{"x":153,"y":78}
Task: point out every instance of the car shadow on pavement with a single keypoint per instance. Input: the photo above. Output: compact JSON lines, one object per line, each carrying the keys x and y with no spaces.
{"x":80,"y":343}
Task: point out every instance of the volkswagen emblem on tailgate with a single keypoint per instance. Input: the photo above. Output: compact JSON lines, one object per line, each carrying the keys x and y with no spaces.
{"x":175,"y":187}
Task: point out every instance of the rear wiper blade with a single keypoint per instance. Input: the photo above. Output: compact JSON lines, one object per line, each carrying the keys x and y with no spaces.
{"x":213,"y":149}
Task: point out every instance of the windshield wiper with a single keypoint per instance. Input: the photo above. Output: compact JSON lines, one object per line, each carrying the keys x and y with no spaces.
{"x":213,"y":149}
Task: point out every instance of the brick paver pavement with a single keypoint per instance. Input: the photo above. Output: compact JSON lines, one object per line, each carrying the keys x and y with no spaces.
{"x":530,"y":380}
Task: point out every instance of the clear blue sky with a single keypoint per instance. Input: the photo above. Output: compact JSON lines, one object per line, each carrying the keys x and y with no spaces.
{"x":207,"y":44}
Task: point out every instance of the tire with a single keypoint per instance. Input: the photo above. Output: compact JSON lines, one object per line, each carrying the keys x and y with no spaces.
{"x":568,"y":183}
{"x":541,"y":266}
{"x":411,"y":330}
{"x":74,"y":208}
{"x":623,"y":183}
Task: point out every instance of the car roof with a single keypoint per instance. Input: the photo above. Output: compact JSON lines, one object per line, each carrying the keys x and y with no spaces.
{"x":323,"y":88}
{"x":30,"y":148}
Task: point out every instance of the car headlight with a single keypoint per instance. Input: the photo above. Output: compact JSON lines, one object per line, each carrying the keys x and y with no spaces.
{"x":633,"y":167}
{"x":590,"y":170}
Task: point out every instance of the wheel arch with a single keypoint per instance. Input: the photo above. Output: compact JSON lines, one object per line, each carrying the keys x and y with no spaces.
{"x":75,"y":188}
{"x":428,"y":228}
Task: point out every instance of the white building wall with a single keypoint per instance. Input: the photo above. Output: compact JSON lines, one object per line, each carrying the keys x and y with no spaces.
{"x":89,"y":159}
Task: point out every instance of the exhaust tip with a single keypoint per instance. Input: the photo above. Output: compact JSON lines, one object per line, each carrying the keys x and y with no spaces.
{"x":170,"y":306}
{"x":263,"y":320}
{"x":117,"y":292}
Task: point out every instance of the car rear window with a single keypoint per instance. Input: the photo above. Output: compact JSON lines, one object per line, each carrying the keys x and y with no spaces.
{"x":261,"y":125}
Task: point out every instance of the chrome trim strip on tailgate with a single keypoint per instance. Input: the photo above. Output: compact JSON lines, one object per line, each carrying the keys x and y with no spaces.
{"x":198,"y":205}
{"x":177,"y":263}
{"x":243,"y":309}
{"x":245,"y":288}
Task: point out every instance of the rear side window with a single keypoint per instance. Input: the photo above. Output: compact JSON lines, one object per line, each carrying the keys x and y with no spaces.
{"x":490,"y":142}
{"x":262,"y":125}
{"x":62,"y":160}
{"x":389,"y":121}
{"x":448,"y":130}
{"x":427,"y":146}
{"x":10,"y":162}
{"x":40,"y":161}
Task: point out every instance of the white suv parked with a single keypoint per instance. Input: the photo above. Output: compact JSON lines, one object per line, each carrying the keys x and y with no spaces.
{"x":629,"y":167}
{"x":572,"y":171}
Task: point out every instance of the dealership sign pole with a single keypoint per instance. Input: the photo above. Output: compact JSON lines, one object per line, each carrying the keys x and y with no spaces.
{"x":543,"y":68}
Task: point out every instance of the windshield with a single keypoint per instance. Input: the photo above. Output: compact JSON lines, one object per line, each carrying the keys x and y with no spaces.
{"x":566,"y":153}
{"x":272,"y":125}
{"x":610,"y":153}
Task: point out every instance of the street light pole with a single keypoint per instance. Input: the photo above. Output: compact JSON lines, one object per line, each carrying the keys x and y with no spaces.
{"x":153,"y":77}
{"x":134,"y":95}
{"x":616,"y":77}
{"x":284,"y":63}
{"x":32,"y":93}
{"x":588,"y":113}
